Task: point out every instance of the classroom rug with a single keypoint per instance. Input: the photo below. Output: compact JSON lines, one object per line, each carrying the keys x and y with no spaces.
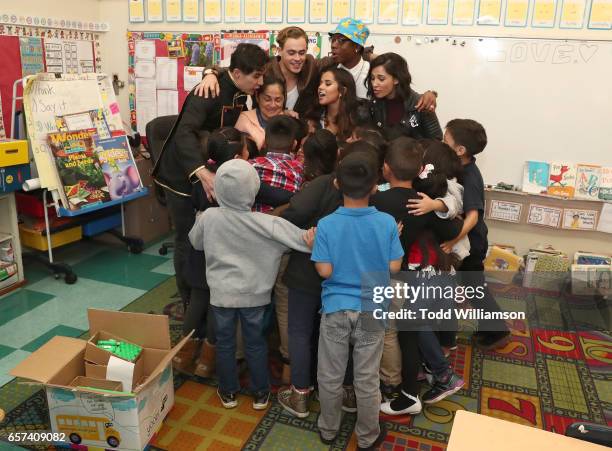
{"x":555,"y":369}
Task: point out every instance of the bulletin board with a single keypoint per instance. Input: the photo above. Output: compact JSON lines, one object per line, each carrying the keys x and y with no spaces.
{"x":164,"y":67}
{"x":26,"y":50}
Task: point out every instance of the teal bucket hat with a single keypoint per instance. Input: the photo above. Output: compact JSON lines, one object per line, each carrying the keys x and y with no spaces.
{"x":353,"y":29}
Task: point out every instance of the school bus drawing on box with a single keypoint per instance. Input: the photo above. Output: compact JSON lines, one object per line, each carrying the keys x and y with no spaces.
{"x":88,"y":428}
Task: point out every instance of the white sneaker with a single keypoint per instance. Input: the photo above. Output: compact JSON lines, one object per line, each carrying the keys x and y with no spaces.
{"x":404,"y":404}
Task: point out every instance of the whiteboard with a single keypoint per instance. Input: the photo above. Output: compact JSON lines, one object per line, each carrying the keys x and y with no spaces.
{"x":546,"y":100}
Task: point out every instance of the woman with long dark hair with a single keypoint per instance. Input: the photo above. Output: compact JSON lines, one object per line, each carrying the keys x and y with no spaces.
{"x":393,"y":103}
{"x":336,"y":95}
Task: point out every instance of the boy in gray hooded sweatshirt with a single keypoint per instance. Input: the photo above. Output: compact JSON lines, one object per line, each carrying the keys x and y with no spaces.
{"x":243,"y":251}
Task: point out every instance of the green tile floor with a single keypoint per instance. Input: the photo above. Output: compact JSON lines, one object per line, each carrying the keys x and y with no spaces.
{"x":108,"y":277}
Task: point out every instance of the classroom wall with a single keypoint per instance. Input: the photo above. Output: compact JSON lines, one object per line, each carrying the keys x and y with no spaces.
{"x":65,"y":9}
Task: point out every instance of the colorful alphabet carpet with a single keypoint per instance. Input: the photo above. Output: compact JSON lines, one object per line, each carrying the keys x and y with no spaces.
{"x":554,"y":371}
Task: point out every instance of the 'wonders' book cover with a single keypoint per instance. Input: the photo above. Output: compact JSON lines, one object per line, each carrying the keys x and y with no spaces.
{"x":78,"y":167}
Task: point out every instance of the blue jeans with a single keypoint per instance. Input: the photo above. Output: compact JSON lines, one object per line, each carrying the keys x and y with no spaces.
{"x":256,"y":348}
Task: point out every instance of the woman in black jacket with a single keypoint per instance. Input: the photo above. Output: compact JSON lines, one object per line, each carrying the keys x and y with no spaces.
{"x":394,"y":103}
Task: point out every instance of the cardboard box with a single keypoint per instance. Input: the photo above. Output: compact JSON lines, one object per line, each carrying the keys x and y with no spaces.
{"x":82,"y":381}
{"x":97,"y":418}
{"x":475,"y":432}
{"x":13,"y":152}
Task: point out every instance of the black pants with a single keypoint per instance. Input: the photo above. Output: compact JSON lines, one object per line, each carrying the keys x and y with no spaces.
{"x":199,"y":316}
{"x":182,"y":214}
{"x":411,"y":361}
{"x":472,"y":275}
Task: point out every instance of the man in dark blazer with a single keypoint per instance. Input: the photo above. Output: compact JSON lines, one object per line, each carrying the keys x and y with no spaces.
{"x":182,"y":160}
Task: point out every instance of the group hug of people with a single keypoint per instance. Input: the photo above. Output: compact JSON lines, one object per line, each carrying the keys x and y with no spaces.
{"x":338,"y":169}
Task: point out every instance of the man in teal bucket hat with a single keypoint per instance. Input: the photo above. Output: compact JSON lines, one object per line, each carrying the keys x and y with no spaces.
{"x":348,"y":41}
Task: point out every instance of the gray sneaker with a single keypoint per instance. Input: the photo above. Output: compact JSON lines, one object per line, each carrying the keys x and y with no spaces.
{"x":295,"y":402}
{"x":441,"y":390}
{"x":349,"y":401}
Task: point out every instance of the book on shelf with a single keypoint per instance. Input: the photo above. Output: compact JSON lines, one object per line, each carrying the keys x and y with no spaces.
{"x":118,"y":166}
{"x":562,"y":179}
{"x":535,"y":177}
{"x":78,"y":168}
{"x":587,"y":181}
{"x":605,"y":184}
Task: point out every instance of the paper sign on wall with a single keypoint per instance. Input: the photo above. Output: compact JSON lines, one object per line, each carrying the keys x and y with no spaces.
{"x":191,"y":10}
{"x":137,"y":11}
{"x":579,"y":219}
{"x":388,"y":11}
{"x":154,"y":11}
{"x":252,"y":11}
{"x":544,"y":12}
{"x":437,"y":12}
{"x":341,"y":9}
{"x":318,"y":11}
{"x":516,"y":13}
{"x":463,"y":12}
{"x":296,"y":11}
{"x":505,"y":211}
{"x":232,"y":11}
{"x":364,"y":11}
{"x":274,"y":11}
{"x":544,"y":216}
{"x":412,"y":12}
{"x":173,"y":11}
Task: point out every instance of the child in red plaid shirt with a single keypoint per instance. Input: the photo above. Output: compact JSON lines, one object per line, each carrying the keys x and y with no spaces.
{"x":278,"y":167}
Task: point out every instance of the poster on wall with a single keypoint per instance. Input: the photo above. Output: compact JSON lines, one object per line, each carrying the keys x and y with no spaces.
{"x":173,"y":11}
{"x":296,"y":11}
{"x":154,"y":11}
{"x":212,"y":11}
{"x":505,"y":211}
{"x":229,"y":42}
{"x":191,"y":10}
{"x":544,"y":216}
{"x":516,"y":13}
{"x":437,"y":12}
{"x":463,"y":12}
{"x":412,"y":12}
{"x":69,"y":57}
{"x":364,"y":11}
{"x":572,"y":13}
{"x":489,"y":12}
{"x":232,"y":11}
{"x":317,"y":11}
{"x":544,"y":13}
{"x":252,"y":11}
{"x":341,"y":9}
{"x":388,"y":12}
{"x":274,"y":11}
{"x":137,"y":11}
{"x":31,"y":51}
{"x":579,"y":219}
{"x":601,"y":15}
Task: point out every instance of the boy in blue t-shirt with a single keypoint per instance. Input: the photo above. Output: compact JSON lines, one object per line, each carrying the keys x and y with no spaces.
{"x":354,"y":242}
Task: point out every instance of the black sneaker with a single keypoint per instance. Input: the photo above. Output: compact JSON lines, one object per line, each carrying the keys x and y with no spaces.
{"x":441,"y":390}
{"x":261,"y":400}
{"x":381,"y":438}
{"x":404,"y":404}
{"x":491,"y":340}
{"x":227,"y":399}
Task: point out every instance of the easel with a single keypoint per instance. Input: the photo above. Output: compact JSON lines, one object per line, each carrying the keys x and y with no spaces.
{"x":134,"y":245}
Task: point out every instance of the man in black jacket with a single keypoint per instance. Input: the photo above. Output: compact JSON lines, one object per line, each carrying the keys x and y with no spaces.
{"x":182,"y":160}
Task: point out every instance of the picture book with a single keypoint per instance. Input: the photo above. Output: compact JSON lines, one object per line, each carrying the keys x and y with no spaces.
{"x":562,"y":179}
{"x":78,"y":168}
{"x":118,"y":166}
{"x":535,"y":177}
{"x":589,"y":258}
{"x":605,"y":184}
{"x":587,"y":181}
{"x":502,"y":264}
